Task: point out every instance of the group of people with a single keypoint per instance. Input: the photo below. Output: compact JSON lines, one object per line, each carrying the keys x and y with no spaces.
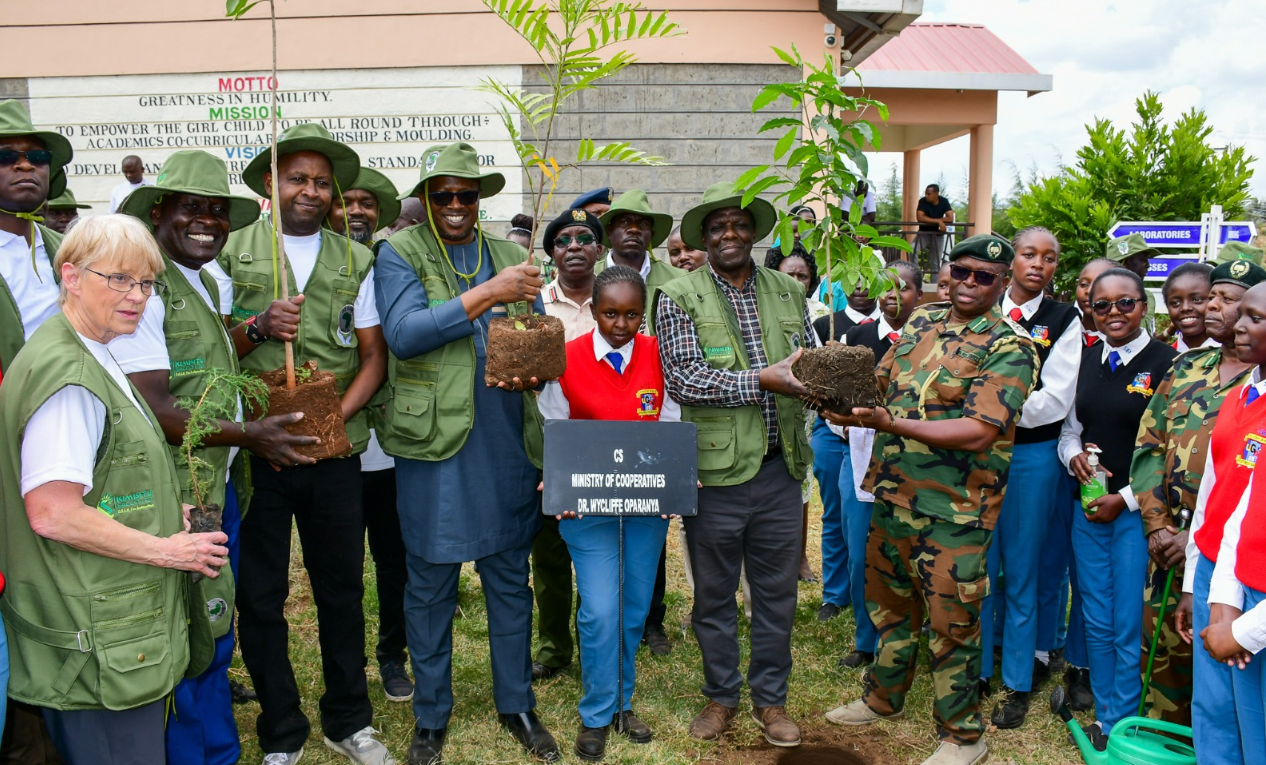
{"x":1024,"y":453}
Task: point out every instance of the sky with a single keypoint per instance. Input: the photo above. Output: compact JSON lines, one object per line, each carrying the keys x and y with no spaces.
{"x":1205,"y":54}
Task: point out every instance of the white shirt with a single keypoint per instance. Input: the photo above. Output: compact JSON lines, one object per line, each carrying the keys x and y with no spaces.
{"x":121,"y":191}
{"x":1181,"y":344}
{"x":553,"y":402}
{"x":1058,"y":374}
{"x":1208,"y":480}
{"x":644,"y":269}
{"x":1249,"y":630}
{"x":1070,"y":444}
{"x":62,"y":437}
{"x":35,"y":291}
{"x":374,"y":458}
{"x":860,"y":318}
{"x":146,"y":349}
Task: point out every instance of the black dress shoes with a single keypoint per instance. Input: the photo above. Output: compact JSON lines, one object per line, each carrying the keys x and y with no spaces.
{"x":591,"y":743}
{"x":543,"y":672}
{"x":1011,"y":712}
{"x":631,"y":727}
{"x":427,"y":746}
{"x":1080,"y":697}
{"x":857,"y":659}
{"x":532,"y":735}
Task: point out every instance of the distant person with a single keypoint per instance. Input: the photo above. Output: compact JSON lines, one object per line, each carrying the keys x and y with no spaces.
{"x":63,"y":211}
{"x":134,"y":175}
{"x":943,"y":283}
{"x":870,"y":206}
{"x":682,"y":255}
{"x":411,"y":214}
{"x":596,"y":202}
{"x":520,"y":230}
{"x":934,"y":215}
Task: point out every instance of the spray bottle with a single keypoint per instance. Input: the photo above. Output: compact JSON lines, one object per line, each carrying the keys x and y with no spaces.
{"x":1098,"y":485}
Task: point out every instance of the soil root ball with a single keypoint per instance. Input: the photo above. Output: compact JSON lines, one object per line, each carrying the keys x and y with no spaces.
{"x":525,"y":347}
{"x":840,"y":376}
{"x":316,"y":395}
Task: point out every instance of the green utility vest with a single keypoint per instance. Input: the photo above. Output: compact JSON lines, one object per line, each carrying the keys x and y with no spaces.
{"x":327,"y":331}
{"x":661,"y":274}
{"x":12,"y":333}
{"x":432,"y":408}
{"x":86,"y":631}
{"x":196,"y":343}
{"x":732,"y":440}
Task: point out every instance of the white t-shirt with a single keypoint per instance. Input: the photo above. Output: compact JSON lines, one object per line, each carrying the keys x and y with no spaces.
{"x":35,"y":291}
{"x":62,"y":437}
{"x":146,"y":349}
{"x":121,"y":191}
{"x":374,"y":458}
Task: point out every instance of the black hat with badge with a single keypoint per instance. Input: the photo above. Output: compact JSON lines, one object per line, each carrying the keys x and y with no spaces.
{"x":1245,"y":273}
{"x":986,"y":247}
{"x":566,"y":219}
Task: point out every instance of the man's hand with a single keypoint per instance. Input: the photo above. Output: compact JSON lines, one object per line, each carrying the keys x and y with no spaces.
{"x":1182,"y":618}
{"x":280,"y":321}
{"x":1168,"y":548}
{"x":185,"y":510}
{"x":518,"y":385}
{"x":1221,"y":644}
{"x":516,"y":283}
{"x":1106,"y":508}
{"x":269,"y":440}
{"x":777,"y":378}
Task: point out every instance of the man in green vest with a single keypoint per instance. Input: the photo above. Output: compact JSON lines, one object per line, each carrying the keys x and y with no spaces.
{"x":467,"y":454}
{"x":179,"y":344}
{"x":632,"y":230}
{"x":728,"y":335}
{"x":32,"y":169}
{"x":331,"y":279}
{"x":370,"y":205}
{"x":63,"y":211}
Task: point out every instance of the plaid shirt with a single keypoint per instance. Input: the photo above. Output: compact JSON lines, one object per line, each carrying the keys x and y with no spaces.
{"x":691,"y":380}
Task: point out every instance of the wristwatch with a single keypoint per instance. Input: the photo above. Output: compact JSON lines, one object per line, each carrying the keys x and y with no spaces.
{"x":252,"y":332}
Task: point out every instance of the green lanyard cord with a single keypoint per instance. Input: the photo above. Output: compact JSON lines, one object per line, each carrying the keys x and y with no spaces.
{"x":31,"y":218}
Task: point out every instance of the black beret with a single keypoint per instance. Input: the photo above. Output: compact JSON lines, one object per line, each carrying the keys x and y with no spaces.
{"x":1245,"y":273}
{"x":605,"y":195}
{"x":985,"y":247}
{"x":576,"y":217}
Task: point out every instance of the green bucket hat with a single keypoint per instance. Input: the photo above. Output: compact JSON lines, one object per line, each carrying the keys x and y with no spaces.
{"x":196,"y":172}
{"x":1238,"y":251}
{"x":15,"y":120}
{"x":634,"y":201}
{"x":309,"y":136}
{"x":718,"y":197}
{"x":460,"y":160}
{"x":67,"y":201}
{"x":1122,"y":248}
{"x":383,"y":190}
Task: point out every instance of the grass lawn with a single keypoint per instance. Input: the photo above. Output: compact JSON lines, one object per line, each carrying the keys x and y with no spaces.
{"x":667,"y":695}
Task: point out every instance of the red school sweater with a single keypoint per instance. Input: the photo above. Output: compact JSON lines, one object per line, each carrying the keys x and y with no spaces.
{"x":595,"y":392}
{"x":1238,"y":436}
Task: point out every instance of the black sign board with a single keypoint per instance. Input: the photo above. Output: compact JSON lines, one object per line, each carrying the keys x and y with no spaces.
{"x":617,"y":467}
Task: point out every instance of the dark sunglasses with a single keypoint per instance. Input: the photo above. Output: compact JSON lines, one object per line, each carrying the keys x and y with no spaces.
{"x":581,"y":239}
{"x":983,"y":278}
{"x":445,"y":198}
{"x":37,"y":157}
{"x":1124,"y":305}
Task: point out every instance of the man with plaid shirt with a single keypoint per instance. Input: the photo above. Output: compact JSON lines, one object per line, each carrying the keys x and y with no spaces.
{"x":728,"y":335}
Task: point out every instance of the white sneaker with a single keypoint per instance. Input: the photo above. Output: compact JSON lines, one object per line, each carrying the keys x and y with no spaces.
{"x":361,"y":747}
{"x":283,"y":758}
{"x":954,"y":754}
{"x":858,"y":713}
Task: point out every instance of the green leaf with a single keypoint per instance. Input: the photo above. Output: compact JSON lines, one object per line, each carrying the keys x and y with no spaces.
{"x":784,"y":144}
{"x":780,"y":122}
{"x":767,"y":96}
{"x":787,"y":59}
{"x":750,"y":175}
{"x":237,"y":8}
{"x":519,"y":326}
{"x":896,"y":242}
{"x":759,"y":187}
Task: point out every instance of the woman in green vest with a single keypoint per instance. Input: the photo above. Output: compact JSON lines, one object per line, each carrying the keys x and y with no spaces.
{"x":94,"y":538}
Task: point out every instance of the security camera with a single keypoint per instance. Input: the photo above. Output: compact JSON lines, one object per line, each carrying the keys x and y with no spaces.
{"x":830,"y":41}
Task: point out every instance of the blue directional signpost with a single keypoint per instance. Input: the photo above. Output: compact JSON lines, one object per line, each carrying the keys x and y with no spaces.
{"x":1182,"y":233}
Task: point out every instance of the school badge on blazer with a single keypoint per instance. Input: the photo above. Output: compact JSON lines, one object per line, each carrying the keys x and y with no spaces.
{"x":1252,"y":447}
{"x":1041,"y":335}
{"x":1142,"y":385}
{"x":647,"y":400}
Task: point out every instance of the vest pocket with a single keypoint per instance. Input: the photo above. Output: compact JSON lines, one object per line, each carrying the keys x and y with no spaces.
{"x":343,"y":317}
{"x":716,"y":443}
{"x":414,"y":409}
{"x":130,"y":639}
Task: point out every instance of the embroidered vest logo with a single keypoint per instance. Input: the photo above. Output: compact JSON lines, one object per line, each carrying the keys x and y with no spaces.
{"x":720,"y":352}
{"x":116,"y":504}
{"x":1142,"y":385}
{"x":188,"y":367}
{"x":1252,"y":447}
{"x":1041,"y":335}
{"x":646,"y":403}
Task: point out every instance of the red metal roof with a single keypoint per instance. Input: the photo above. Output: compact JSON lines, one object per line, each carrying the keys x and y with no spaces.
{"x":928,"y":47}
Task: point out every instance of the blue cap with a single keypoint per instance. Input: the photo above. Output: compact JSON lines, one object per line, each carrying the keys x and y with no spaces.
{"x":603,"y":195}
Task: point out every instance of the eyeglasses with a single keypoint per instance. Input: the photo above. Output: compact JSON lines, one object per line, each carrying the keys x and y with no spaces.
{"x":983,"y":278}
{"x":584,"y":240}
{"x":37,"y":157}
{"x":124,"y":283}
{"x":1124,"y":305}
{"x":445,"y":198}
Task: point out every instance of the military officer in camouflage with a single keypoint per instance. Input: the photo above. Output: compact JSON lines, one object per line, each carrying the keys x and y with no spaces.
{"x":952,"y":386}
{"x":1166,"y":470}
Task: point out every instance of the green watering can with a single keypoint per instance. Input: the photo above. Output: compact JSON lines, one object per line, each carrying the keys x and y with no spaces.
{"x":1133,"y":741}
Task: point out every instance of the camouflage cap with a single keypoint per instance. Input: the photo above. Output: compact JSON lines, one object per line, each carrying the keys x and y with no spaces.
{"x":986,"y":247}
{"x":1232,"y":251}
{"x":1134,"y":244}
{"x":1243,"y":272}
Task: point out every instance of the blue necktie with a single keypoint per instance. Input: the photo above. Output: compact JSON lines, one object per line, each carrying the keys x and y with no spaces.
{"x":1114,"y":360}
{"x":1252,"y":395}
{"x":616,"y":360}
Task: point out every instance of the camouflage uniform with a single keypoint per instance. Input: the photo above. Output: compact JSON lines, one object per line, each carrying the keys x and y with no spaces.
{"x":935,"y":508}
{"x":1172,"y":447}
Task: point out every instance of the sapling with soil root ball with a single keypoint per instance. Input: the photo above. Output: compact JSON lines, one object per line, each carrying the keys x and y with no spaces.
{"x":569,"y":38}
{"x":219,"y":401}
{"x":822,"y":159}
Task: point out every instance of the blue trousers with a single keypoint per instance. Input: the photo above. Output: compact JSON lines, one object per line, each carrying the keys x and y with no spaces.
{"x":202,"y":731}
{"x":1249,"y":687}
{"x":430,"y":600}
{"x":594,"y":544}
{"x":1023,"y":526}
{"x":830,"y":452}
{"x":1215,"y":720}
{"x":1111,"y":564}
{"x":1060,"y":626}
{"x":857,"y":529}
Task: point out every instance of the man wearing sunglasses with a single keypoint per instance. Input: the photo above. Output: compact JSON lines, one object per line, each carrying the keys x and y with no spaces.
{"x":632,"y":231}
{"x":954,"y":385}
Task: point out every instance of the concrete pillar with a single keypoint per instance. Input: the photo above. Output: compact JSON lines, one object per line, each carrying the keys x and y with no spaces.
{"x":980,"y":180}
{"x":911,"y":188}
